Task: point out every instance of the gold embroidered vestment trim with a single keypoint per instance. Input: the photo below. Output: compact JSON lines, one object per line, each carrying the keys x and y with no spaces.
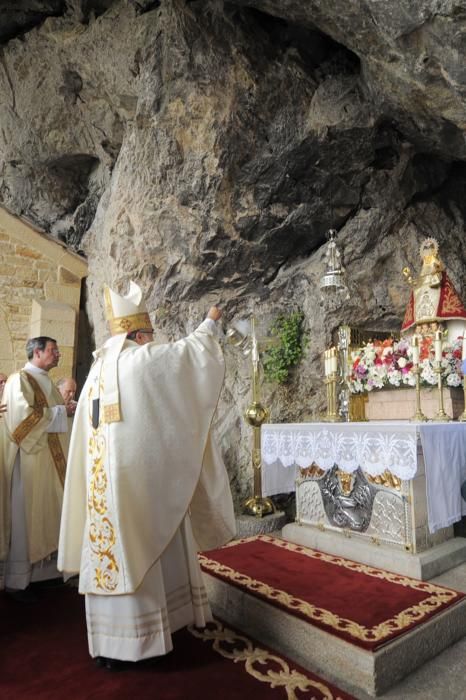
{"x":25,"y":427}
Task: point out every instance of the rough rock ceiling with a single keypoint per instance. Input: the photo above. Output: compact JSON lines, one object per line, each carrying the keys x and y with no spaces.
{"x":412,"y":58}
{"x":20,"y":16}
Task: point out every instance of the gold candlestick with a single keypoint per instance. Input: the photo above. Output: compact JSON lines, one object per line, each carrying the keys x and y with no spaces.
{"x":332,"y":413}
{"x":440,"y":415}
{"x":328,"y":387}
{"x":462,"y":417}
{"x":419,"y":415}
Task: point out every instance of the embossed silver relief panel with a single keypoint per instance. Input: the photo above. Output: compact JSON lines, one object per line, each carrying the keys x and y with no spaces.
{"x":369,"y":511}
{"x":309,"y":504}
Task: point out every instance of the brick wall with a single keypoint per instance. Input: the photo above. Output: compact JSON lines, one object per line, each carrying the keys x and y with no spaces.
{"x":40,"y":285}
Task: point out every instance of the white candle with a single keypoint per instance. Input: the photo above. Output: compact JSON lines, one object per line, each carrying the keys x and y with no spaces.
{"x":463,"y":356}
{"x":327,"y":371}
{"x":438,"y":346}
{"x":333,"y":360}
{"x":415,"y":350}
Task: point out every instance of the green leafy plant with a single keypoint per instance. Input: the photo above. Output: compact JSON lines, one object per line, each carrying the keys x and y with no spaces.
{"x":279,"y":359}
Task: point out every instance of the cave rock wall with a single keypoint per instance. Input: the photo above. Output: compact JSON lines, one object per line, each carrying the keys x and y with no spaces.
{"x":204,"y":149}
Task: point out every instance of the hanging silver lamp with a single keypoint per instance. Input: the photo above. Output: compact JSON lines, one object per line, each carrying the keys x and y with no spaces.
{"x":333,"y":285}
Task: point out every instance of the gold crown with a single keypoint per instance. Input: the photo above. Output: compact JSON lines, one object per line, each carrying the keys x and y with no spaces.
{"x":428,"y":248}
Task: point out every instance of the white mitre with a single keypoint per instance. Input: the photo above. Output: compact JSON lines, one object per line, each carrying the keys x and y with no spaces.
{"x":127,"y":313}
{"x":124,"y":314}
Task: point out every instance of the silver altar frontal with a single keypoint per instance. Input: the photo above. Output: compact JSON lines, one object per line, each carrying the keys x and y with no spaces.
{"x":371,"y":491}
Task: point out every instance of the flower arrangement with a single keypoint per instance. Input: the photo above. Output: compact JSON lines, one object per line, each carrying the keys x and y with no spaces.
{"x":389,"y":363}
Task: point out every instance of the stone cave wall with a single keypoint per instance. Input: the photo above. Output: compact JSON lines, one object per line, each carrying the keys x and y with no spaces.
{"x":203,"y":148}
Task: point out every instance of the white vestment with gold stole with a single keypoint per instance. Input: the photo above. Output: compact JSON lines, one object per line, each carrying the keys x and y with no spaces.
{"x":143,"y":476}
{"x":34,"y":453}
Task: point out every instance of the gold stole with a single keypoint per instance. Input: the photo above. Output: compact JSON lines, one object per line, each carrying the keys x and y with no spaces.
{"x":25,"y":427}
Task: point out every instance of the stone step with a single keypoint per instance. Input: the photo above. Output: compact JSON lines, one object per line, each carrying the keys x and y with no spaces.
{"x":349,"y":666}
{"x":423,"y":565}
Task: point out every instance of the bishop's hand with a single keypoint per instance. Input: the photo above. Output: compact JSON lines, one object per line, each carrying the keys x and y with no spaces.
{"x":214,"y":313}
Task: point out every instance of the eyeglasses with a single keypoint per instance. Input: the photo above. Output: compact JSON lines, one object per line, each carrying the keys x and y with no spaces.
{"x":146,"y":332}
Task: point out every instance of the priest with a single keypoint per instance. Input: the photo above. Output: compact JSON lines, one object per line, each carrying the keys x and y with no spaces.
{"x":146,"y":486}
{"x":33,"y":471}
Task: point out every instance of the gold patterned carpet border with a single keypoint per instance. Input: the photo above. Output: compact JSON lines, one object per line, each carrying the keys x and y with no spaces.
{"x":266,"y":666}
{"x":436,"y":599}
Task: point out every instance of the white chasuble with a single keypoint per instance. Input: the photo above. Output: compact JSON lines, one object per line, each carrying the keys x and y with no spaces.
{"x":139,"y":625}
{"x":131,"y":482}
{"x":37,"y":456}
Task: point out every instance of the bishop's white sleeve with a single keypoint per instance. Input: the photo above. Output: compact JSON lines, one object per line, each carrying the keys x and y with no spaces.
{"x":210,"y":324}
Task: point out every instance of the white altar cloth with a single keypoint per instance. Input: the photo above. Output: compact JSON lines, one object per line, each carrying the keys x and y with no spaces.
{"x":444,"y":447}
{"x":375,"y":447}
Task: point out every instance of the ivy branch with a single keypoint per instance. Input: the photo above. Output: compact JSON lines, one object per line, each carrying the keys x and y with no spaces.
{"x":279,"y":359}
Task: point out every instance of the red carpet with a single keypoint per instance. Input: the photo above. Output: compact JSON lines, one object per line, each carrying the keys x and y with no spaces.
{"x":365,"y":606}
{"x":44,"y":656}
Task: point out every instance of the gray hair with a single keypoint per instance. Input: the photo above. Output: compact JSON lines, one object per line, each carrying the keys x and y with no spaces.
{"x":38,"y":343}
{"x":62,"y":380}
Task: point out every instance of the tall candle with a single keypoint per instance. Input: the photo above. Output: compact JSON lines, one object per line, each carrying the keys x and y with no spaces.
{"x":438,"y":346}
{"x":327,"y":371}
{"x":333,"y":360}
{"x":415,"y":350}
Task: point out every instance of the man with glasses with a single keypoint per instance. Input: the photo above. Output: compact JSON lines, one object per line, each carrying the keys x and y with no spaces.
{"x":145,"y":486}
{"x":35,"y":449}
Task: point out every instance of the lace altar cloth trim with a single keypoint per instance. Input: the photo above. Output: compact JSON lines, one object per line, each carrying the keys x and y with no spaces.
{"x":373,"y":447}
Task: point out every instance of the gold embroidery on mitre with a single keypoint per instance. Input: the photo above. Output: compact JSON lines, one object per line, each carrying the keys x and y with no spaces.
{"x":124,"y":324}
{"x":260,"y":663}
{"x":436,"y":596}
{"x":102,"y":536}
{"x":127,"y":324}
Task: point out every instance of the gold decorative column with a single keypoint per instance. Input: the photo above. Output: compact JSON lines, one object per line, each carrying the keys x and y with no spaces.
{"x":255,"y":414}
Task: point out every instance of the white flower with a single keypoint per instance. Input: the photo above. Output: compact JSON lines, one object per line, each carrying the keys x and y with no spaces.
{"x":402,"y":362}
{"x":453,"y":379}
{"x":428,"y":374}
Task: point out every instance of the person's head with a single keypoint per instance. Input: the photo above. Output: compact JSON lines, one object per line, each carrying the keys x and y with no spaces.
{"x":3,"y":379}
{"x":43,"y":352}
{"x":67,"y":388}
{"x":142,"y":336}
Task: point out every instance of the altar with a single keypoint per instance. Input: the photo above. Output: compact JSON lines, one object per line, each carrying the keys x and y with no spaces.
{"x":384,"y":493}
